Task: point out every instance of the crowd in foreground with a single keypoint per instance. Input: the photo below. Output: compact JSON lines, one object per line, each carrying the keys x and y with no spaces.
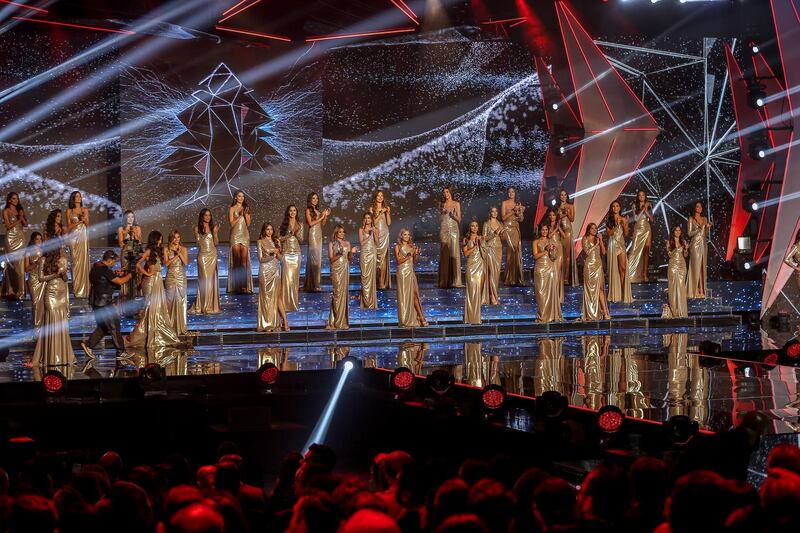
{"x":398,"y":494}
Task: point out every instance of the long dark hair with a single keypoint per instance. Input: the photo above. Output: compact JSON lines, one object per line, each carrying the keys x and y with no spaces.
{"x":50,"y":224}
{"x":375,"y":200}
{"x":125,"y":217}
{"x":8,"y":201}
{"x":671,"y":245}
{"x":200,"y":224}
{"x":611,"y":222}
{"x":308,"y":201}
{"x":636,"y":201}
{"x":285,"y":223}
{"x":588,"y":229}
{"x":565,"y":192}
{"x":547,"y":217}
{"x":51,"y":257}
{"x":72,"y":196}
{"x":263,"y":234}
{"x":694,"y":205}
{"x":244,"y":201}
{"x":152,"y":244}
{"x":442,"y":198}
{"x":32,"y":240}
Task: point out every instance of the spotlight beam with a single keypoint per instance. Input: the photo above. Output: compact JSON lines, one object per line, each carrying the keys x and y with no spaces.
{"x":24,"y":6}
{"x":321,"y":429}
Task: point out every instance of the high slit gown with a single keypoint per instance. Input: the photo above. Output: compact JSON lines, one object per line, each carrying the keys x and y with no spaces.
{"x":53,"y":344}
{"x":207,"y":300}
{"x":314,"y":260}
{"x":383,"y":252}
{"x":513,"y":277}
{"x":569,"y":265}
{"x":14,"y":273}
{"x":367,"y":262}
{"x":449,"y":253}
{"x":676,"y":283}
{"x":240,"y":278}
{"x":698,"y":259}
{"x":290,"y":273}
{"x":154,"y":329}
{"x":79,"y":249}
{"x":636,"y":257}
{"x":493,"y":243}
{"x":618,"y":290}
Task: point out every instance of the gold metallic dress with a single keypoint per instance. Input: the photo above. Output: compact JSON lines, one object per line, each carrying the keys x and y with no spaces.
{"x":240,"y":279}
{"x":698,"y":259}
{"x":383,"y":252}
{"x":477,"y":291}
{"x":36,"y":290}
{"x":290,"y":273}
{"x":558,"y":254}
{"x":130,"y":289}
{"x":493,"y":244}
{"x":641,"y":236}
{"x":569,"y":266}
{"x":618,"y":291}
{"x":793,"y":260}
{"x":594,"y":282}
{"x":14,"y":274}
{"x":676,"y":283}
{"x":207,"y":300}
{"x":449,"y":253}
{"x":368,"y":264}
{"x":53,"y":345}
{"x":545,"y":288}
{"x":79,"y":248}
{"x":340,"y":279}
{"x":406,"y":289}
{"x":513,"y":275}
{"x":314,"y":260}
{"x":177,"y":302}
{"x":269,"y":285}
{"x":480,"y":370}
{"x":154,"y":329}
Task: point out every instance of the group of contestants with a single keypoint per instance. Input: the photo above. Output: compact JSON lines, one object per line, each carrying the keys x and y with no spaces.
{"x":164,"y":318}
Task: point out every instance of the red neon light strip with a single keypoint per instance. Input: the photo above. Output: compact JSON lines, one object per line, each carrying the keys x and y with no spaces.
{"x":39,"y":9}
{"x":254,"y":33}
{"x":518,"y":23}
{"x":407,"y":8}
{"x":406,"y":11}
{"x":245,"y":8}
{"x":767,"y":178}
{"x":363,"y":34}
{"x":501,"y":21}
{"x":569,"y":65}
{"x":80,"y":26}
{"x":233,"y":7}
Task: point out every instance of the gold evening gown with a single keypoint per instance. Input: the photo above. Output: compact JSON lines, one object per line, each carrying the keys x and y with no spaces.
{"x":79,"y":248}
{"x":449,"y":253}
{"x":493,"y":243}
{"x":477,"y":292}
{"x":383,"y":252}
{"x":177,"y":301}
{"x":340,"y":279}
{"x":314,"y":260}
{"x":569,"y":265}
{"x":290,"y":273}
{"x":594,"y":283}
{"x":130,"y":289}
{"x":53,"y":345}
{"x":558,"y":262}
{"x":368,"y":264}
{"x":14,"y":274}
{"x":207,"y":300}
{"x":676,"y":283}
{"x":406,"y":289}
{"x":513,"y":277}
{"x":641,"y":236}
{"x":545,"y":288}
{"x":240,"y":279}
{"x":792,"y":259}
{"x":36,"y":290}
{"x":698,"y":259}
{"x":618,"y":291}
{"x":269,"y":285}
{"x":154,"y":329}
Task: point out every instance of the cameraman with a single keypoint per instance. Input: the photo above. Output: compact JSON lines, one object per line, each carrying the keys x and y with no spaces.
{"x":104,"y":282}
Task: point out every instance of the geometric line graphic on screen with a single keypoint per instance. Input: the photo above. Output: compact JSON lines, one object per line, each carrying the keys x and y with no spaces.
{"x":227,"y":131}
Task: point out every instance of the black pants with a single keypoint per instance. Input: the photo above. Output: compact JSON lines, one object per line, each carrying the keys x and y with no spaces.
{"x":107,"y":321}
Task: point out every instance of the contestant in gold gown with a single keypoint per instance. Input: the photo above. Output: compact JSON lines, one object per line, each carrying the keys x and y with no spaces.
{"x":512,"y":211}
{"x":129,"y":238}
{"x":78,"y":229}
{"x":53,"y":344}
{"x":15,"y":220}
{"x":340,"y":253}
{"x":493,"y":232}
{"x":449,"y":237}
{"x":35,"y":287}
{"x":477,"y":291}
{"x":175,"y":258}
{"x":270,"y":299}
{"x":792,"y":258}
{"x":315,"y":219}
{"x":240,"y":275}
{"x":154,"y":329}
{"x":566,"y":216}
{"x":595,"y":306}
{"x":557,"y":236}
{"x":619,"y":281}
{"x":207,"y":301}
{"x":369,"y":237}
{"x":697,"y":228}
{"x":545,"y":279}
{"x":382,"y":218}
{"x":409,"y":309}
{"x":291,"y":235}
{"x":639,"y":256}
{"x":677,"y":249}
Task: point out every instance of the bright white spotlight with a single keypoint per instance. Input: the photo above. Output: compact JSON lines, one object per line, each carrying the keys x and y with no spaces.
{"x":553,"y":202}
{"x":755,"y":49}
{"x":561,"y":150}
{"x":555,"y":106}
{"x":762,"y":154}
{"x":760,"y":102}
{"x":348,"y":366}
{"x":324,"y":422}
{"x":754,"y":206}
{"x":653,"y":1}
{"x":748,"y":265}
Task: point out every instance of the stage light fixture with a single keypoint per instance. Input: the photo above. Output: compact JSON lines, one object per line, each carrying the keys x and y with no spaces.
{"x":755,"y":49}
{"x":744,"y":243}
{"x":758,"y":145}
{"x":268,"y":373}
{"x":555,"y":106}
{"x":610,"y":419}
{"x":756,"y":94}
{"x":680,"y":429}
{"x":54,"y":382}
{"x":349,"y":363}
{"x":152,"y":373}
{"x":493,"y":397}
{"x":440,"y":381}
{"x":551,"y":405}
{"x":792,"y":350}
{"x":402,"y":379}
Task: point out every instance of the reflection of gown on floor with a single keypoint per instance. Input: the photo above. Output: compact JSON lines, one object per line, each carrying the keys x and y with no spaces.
{"x":53,"y":346}
{"x":154,"y":328}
